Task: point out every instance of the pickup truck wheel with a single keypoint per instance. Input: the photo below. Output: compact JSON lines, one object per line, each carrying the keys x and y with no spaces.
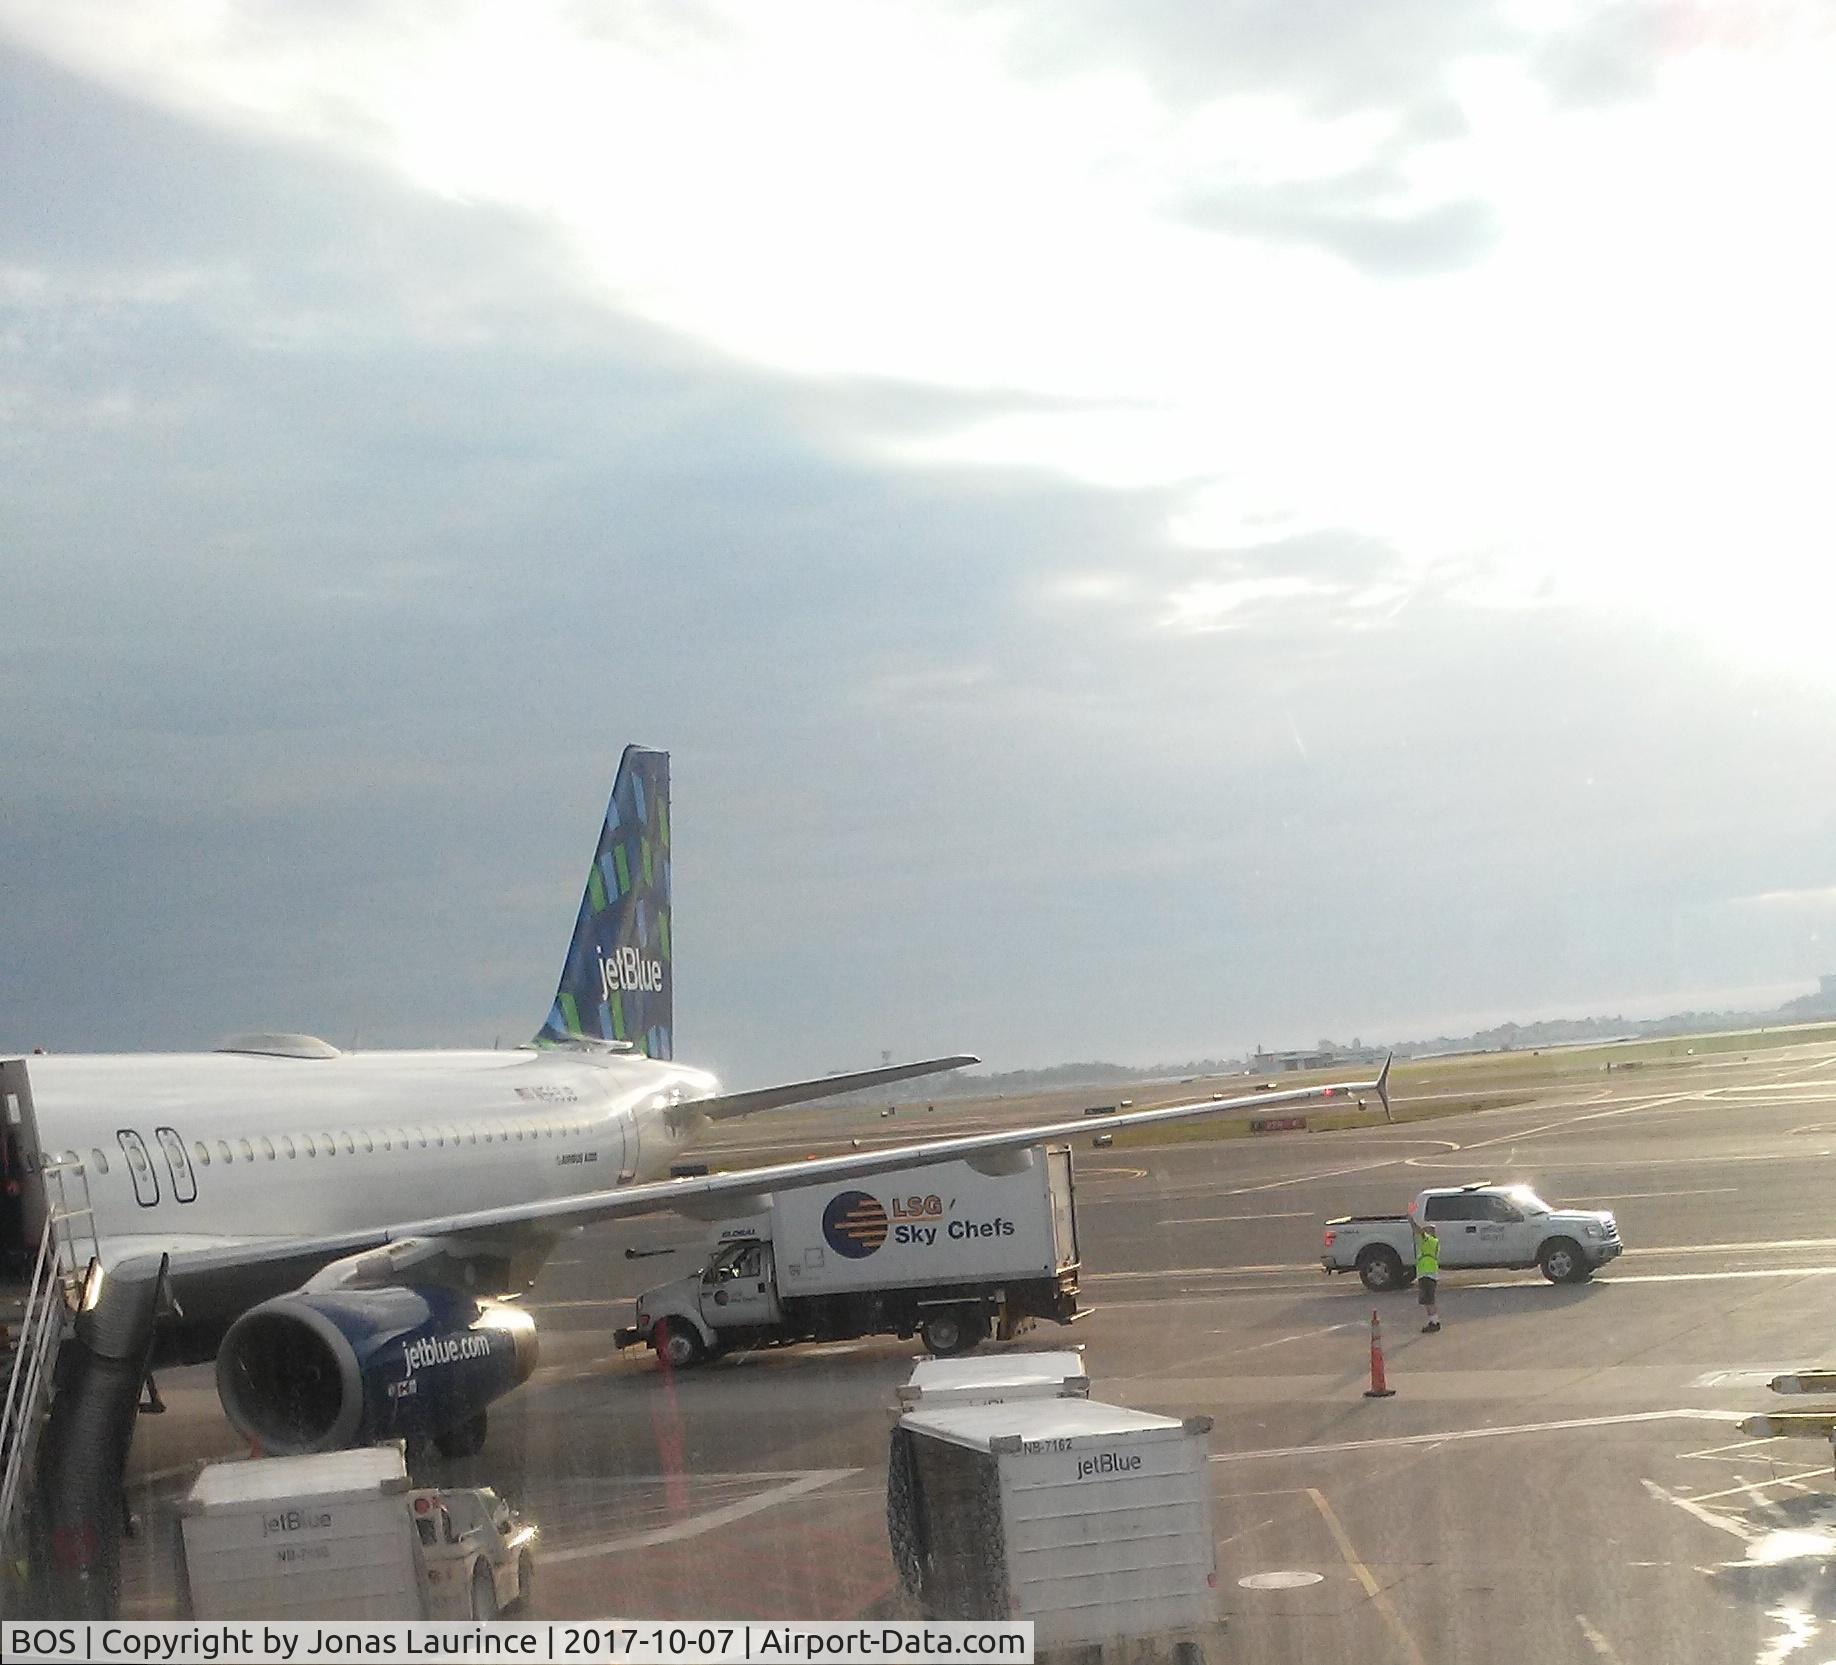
{"x":678,"y":1345}
{"x":1380,"y":1269}
{"x":948,"y":1333}
{"x":525,"y":1582}
{"x":484,"y":1598}
{"x":1563,"y":1262}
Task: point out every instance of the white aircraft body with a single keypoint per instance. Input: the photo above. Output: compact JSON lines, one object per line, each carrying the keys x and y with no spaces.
{"x":347,"y":1233}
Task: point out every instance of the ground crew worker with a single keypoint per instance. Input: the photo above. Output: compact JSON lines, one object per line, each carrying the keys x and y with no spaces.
{"x":1428,"y":1272}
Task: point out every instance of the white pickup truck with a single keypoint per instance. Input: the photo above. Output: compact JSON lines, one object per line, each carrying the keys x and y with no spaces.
{"x":1480,"y":1225}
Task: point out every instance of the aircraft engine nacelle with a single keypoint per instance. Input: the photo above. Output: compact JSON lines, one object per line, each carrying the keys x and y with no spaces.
{"x":321,"y":1371}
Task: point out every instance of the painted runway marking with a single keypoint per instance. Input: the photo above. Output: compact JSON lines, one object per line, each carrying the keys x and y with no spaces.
{"x":710,"y":1521}
{"x":1220,"y":1219}
{"x":1625,"y":1279}
{"x":1620,"y":1420}
{"x":1643,"y":1196}
{"x":1752,"y":1488}
{"x":1597,"y":1642}
{"x":1304,"y":1335}
{"x":1363,"y":1574}
{"x":1708,"y":1517}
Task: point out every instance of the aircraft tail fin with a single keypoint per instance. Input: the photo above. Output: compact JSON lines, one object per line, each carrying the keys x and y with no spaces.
{"x":616,"y":984}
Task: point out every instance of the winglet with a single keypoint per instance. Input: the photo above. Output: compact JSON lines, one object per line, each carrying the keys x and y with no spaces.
{"x":1383,"y":1086}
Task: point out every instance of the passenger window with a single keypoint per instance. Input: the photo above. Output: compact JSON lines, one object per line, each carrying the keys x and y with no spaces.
{"x":267,"y":1148}
{"x":100,"y":1160}
{"x":287,"y":1145}
{"x":369,"y":1148}
{"x":200,"y":1153}
{"x":223,"y":1151}
{"x":1504,"y":1213}
{"x":350,"y":1144}
{"x":307,"y":1145}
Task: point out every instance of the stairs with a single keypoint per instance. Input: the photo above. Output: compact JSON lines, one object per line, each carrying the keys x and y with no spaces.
{"x":38,"y":1316}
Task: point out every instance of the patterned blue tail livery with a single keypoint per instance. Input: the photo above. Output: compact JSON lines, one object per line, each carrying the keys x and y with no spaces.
{"x":616,"y":984}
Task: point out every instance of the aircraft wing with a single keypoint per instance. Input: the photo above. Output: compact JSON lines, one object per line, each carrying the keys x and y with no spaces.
{"x":726,"y":1105}
{"x":497,"y":1230}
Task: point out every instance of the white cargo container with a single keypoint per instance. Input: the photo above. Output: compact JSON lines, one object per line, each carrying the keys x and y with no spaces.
{"x":1092,"y":1520}
{"x":340,"y":1535}
{"x":327,"y":1536}
{"x":951,"y":1251}
{"x":995,"y":1380}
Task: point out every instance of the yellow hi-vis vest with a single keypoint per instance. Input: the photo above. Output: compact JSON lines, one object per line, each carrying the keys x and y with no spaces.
{"x":1427,"y":1256}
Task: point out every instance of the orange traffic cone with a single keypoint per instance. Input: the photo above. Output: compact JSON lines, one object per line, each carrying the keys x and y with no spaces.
{"x":1379,"y":1388}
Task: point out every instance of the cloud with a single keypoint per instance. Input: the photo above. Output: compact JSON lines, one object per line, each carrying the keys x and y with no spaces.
{"x":388,"y":435}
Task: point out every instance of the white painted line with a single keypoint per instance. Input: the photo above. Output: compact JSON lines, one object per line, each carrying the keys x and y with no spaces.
{"x":1624,"y":1278}
{"x":1751,"y":1245}
{"x":1753,"y":1488}
{"x":1303,"y":1335}
{"x":1597,"y":1642}
{"x":711,"y":1521}
{"x":1644,"y":1196}
{"x":1221,"y":1219}
{"x":1708,"y":1517}
{"x":1619,"y":1420}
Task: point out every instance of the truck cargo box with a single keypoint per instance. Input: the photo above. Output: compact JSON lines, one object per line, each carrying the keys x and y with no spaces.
{"x":945,"y":1224}
{"x":996,"y":1380}
{"x":1092,"y":1520}
{"x":320,"y":1537}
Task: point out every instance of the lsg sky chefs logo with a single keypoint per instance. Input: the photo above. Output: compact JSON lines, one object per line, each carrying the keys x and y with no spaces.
{"x":854,"y":1224}
{"x":626,"y":970}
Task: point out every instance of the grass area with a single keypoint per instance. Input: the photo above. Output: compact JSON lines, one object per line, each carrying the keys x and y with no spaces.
{"x":1664,"y":1049}
{"x":1318,"y":1121}
{"x":1426,"y":1089}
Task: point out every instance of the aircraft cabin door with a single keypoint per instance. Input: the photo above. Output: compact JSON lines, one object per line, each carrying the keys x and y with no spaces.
{"x":22,"y":1186}
{"x":178,"y":1164}
{"x":140,"y":1166}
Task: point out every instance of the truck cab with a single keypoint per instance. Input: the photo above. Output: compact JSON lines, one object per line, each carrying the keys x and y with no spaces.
{"x":709,"y":1309}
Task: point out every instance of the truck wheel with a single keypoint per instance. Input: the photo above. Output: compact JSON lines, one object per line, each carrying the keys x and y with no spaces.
{"x":1563,"y":1262}
{"x":948,"y":1333}
{"x":484,"y":1598}
{"x":525,"y":1582}
{"x":678,"y":1345}
{"x":467,"y":1440}
{"x":1380,"y":1269}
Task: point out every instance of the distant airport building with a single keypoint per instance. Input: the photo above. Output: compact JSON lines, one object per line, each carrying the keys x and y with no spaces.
{"x":1265,"y":1062}
{"x":1323,"y":1056}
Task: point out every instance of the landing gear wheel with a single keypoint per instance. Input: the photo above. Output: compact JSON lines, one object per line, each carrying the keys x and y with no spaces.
{"x":1380,"y":1269}
{"x":1563,"y":1262}
{"x":484,"y":1597}
{"x":467,"y":1440}
{"x":678,"y":1346}
{"x":951,"y":1331}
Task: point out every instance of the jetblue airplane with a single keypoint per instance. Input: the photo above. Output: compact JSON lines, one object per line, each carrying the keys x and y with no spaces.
{"x":348,"y":1233}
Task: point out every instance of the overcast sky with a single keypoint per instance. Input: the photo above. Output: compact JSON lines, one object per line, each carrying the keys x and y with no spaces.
{"x":1145,"y":527}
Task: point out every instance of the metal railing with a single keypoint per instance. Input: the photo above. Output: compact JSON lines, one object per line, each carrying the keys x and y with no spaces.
{"x":66,"y":1261}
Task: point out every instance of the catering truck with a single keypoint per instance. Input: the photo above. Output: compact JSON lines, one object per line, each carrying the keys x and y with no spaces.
{"x":953,"y":1252}
{"x":342,"y":1534}
{"x":1479,"y":1225}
